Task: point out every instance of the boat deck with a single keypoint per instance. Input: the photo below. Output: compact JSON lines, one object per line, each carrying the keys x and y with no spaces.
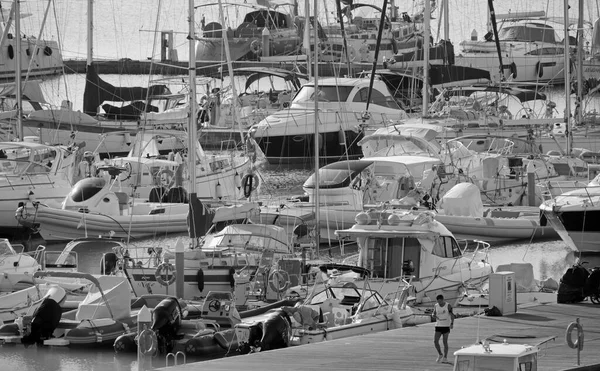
{"x":412,"y":348}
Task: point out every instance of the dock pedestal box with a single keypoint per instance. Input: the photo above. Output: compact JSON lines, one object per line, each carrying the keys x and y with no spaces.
{"x":503,"y":292}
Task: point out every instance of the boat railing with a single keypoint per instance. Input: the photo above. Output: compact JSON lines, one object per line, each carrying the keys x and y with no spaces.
{"x":27,"y":180}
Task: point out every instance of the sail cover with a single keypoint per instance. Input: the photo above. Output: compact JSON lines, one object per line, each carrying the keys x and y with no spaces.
{"x":98,"y":91}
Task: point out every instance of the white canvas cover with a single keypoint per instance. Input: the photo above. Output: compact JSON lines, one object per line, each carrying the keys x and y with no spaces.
{"x":463,"y":199}
{"x":118,"y":296}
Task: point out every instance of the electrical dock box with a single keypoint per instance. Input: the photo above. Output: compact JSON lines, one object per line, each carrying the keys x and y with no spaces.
{"x":503,"y":292}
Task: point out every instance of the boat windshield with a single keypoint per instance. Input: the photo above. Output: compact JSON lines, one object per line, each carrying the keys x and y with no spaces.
{"x":6,"y":248}
{"x":337,"y":175}
{"x":326,"y":93}
{"x":347,"y":295}
{"x":248,"y":241}
{"x":528,"y":32}
{"x":86,"y":189}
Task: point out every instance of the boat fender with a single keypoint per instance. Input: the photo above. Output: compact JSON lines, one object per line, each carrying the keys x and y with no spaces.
{"x":165,"y":269}
{"x":200,"y":279}
{"x":125,"y":343}
{"x":539,"y":69}
{"x":513,"y":70}
{"x":11,"y":52}
{"x":47,"y":51}
{"x":221,"y":340}
{"x":279,"y":281}
{"x":255,"y":47}
{"x":147,"y":342}
{"x":108,"y":265}
{"x":543,"y":219}
{"x":249,"y":183}
{"x":231,"y":277}
{"x":577,"y":344}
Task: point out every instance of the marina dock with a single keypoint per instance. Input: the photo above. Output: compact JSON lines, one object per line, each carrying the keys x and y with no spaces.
{"x":412,"y":348}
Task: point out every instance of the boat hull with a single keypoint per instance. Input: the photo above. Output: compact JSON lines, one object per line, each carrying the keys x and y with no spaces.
{"x":584,"y":239}
{"x":59,"y":224}
{"x":299,"y":149}
{"x":496,"y":229}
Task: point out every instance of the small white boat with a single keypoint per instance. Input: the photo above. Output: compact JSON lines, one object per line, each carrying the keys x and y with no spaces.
{"x":17,"y":267}
{"x":94,"y":208}
{"x":25,"y":302}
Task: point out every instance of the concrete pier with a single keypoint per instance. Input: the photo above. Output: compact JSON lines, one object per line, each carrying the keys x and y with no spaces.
{"x":412,"y":348}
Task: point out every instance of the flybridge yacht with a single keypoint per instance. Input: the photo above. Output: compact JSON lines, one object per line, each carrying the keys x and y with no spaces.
{"x":533,"y":51}
{"x":287,"y":136}
{"x":395,"y":244}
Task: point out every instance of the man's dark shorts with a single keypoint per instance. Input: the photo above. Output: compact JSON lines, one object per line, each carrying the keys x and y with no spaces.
{"x":442,"y":330}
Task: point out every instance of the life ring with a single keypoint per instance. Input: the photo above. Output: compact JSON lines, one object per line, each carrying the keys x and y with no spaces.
{"x":147,"y":342}
{"x":11,"y":52}
{"x":164,"y":269}
{"x":351,"y":53}
{"x":249,"y":183}
{"x":200,"y":279}
{"x":255,"y":47}
{"x":539,"y":69}
{"x":168,"y":179}
{"x":275,"y":281}
{"x":568,"y":336}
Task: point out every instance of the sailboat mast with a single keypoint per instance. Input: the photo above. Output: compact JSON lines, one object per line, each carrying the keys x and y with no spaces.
{"x":446,"y":12}
{"x":231,"y":73}
{"x":495,"y":30}
{"x":192,"y":141}
{"x":426,"y":37}
{"x":317,"y":135}
{"x":567,"y":77}
{"x":90,"y":32}
{"x":18,"y":87}
{"x":580,"y":64}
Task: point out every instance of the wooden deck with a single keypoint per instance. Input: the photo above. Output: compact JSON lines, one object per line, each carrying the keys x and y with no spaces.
{"x":412,"y":348}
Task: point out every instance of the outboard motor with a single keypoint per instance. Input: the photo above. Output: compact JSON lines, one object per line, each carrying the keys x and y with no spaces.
{"x":44,"y":321}
{"x":166,"y":322}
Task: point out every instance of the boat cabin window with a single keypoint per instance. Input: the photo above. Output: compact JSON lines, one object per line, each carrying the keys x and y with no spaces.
{"x":528,"y":32}
{"x":326,"y":93}
{"x":446,"y":247}
{"x":463,"y":365}
{"x":377,"y":98}
{"x":494,"y":363}
{"x":267,"y":18}
{"x":392,"y":257}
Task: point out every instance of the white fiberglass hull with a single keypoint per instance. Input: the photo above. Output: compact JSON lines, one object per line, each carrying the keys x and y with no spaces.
{"x":495,"y":229}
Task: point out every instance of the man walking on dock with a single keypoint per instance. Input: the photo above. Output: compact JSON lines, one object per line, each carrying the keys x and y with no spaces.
{"x":444,"y":317}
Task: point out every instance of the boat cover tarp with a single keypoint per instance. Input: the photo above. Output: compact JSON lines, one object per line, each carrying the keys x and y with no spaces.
{"x":98,"y":91}
{"x":118,"y":297}
{"x":235,"y":212}
{"x":199,"y":219}
{"x":463,"y":199}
